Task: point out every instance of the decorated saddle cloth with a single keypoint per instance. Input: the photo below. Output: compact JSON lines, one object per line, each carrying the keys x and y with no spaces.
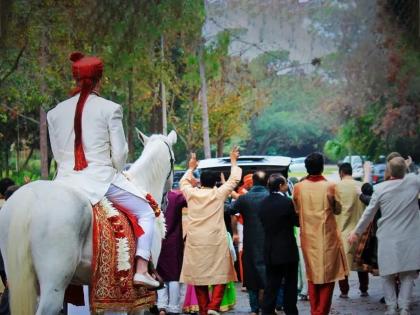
{"x":114,"y":245}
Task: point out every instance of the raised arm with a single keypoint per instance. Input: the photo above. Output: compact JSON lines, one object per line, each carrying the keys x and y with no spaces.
{"x":186,"y":182}
{"x":119,"y":147}
{"x":235,"y":175}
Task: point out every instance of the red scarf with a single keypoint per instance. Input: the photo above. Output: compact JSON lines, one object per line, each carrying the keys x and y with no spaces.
{"x":315,"y":178}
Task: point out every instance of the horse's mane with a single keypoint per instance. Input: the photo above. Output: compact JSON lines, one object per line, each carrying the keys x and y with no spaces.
{"x":150,"y":160}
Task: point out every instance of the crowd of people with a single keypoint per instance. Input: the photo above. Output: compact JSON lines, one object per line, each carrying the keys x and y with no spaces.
{"x":285,"y":242}
{"x":289,"y":243}
{"x":317,"y":229}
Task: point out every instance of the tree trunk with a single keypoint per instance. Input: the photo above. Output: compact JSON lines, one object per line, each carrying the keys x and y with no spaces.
{"x":205,"y":112}
{"x":220,"y":142}
{"x":130,"y":120}
{"x":156,"y":119}
{"x":43,"y":142}
{"x":6,"y":160}
{"x":1,"y":163}
{"x":163,"y":91}
{"x":43,"y":132}
{"x":220,"y":146}
{"x":17,"y":147}
{"x":25,"y":164}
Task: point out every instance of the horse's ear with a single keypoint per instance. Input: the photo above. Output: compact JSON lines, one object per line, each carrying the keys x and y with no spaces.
{"x":172,"y":137}
{"x":142,"y":137}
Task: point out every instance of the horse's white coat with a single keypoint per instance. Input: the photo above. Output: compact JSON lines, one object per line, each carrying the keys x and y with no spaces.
{"x":46,"y":233}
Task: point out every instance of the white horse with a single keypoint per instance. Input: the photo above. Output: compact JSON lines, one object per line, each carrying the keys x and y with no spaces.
{"x":46,"y":231}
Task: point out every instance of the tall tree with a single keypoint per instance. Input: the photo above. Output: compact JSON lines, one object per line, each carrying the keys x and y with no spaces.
{"x":204,"y":106}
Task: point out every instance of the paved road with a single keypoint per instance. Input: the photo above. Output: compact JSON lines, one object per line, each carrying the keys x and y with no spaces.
{"x":355,"y":305}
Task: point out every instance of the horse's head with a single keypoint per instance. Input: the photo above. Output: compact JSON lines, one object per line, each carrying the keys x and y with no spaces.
{"x":153,"y":171}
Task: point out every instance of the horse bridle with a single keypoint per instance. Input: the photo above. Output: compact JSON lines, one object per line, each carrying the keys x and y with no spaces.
{"x":164,"y":201}
{"x":172,"y":159}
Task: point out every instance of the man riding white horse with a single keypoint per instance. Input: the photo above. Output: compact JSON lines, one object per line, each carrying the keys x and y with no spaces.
{"x":92,"y":160}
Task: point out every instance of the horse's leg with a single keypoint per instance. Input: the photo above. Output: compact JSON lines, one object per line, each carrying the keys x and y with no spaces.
{"x":55,"y":269}
{"x":57,"y":248}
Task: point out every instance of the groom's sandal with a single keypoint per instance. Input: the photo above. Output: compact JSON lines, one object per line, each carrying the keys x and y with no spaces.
{"x":152,"y":271}
{"x":145,"y":280}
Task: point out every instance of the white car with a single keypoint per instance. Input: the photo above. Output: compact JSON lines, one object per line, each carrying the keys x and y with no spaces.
{"x":249,"y":164}
{"x":356,"y":162}
{"x":298,"y":165}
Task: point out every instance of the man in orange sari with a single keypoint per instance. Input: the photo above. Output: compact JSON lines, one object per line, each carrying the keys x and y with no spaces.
{"x":320,"y":238}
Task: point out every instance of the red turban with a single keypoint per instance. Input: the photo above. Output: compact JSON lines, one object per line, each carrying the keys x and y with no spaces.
{"x":248,"y":182}
{"x":86,"y":71}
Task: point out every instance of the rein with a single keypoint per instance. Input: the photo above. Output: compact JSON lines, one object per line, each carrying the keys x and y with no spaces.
{"x":164,"y":201}
{"x":171,"y":159}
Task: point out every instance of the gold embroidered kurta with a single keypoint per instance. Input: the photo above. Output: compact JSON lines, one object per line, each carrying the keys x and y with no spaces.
{"x":320,"y":238}
{"x":207,"y":258}
{"x":351,"y":210}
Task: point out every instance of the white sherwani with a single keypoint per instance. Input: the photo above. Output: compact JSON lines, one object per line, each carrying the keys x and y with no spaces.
{"x":399,"y":226}
{"x":104,"y":145}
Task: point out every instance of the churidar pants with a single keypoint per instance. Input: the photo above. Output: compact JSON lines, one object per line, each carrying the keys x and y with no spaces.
{"x":168,"y":297}
{"x":406,"y":289}
{"x":320,"y":297}
{"x":204,"y":302}
{"x":144,"y":213}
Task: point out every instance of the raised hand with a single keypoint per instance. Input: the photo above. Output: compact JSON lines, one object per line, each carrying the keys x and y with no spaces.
{"x":193,"y":163}
{"x":234,"y":155}
{"x":408,"y":161}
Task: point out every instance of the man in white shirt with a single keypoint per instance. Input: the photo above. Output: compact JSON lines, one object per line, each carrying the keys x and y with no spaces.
{"x":92,"y":160}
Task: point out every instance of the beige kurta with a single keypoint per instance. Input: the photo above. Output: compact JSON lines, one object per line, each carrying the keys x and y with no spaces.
{"x":207,"y":258}
{"x":351,"y":210}
{"x":320,"y":238}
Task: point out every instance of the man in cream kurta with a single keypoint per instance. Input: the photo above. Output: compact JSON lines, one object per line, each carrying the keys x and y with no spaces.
{"x":320,"y":238}
{"x":207,"y":258}
{"x":351,"y":209}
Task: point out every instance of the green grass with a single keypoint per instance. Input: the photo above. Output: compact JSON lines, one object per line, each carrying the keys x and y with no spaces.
{"x":328,"y":170}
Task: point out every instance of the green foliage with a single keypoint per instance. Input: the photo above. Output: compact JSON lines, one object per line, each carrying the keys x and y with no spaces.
{"x":293,"y":123}
{"x":358,"y":136}
{"x":335,"y":150}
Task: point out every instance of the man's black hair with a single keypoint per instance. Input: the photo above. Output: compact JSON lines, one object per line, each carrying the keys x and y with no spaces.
{"x":367,"y":189}
{"x":4,"y":184}
{"x":208,"y":179}
{"x":259,"y":178}
{"x":314,"y":163}
{"x":346,"y":169}
{"x":274,"y":182}
{"x":10,"y":191}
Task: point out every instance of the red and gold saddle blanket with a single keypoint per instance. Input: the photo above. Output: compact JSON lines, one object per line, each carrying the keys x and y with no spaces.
{"x":114,"y":247}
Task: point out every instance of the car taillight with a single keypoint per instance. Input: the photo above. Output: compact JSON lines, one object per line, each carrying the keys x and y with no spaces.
{"x":375,"y":178}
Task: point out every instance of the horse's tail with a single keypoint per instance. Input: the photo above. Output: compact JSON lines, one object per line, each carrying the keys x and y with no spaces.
{"x":21,"y":275}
